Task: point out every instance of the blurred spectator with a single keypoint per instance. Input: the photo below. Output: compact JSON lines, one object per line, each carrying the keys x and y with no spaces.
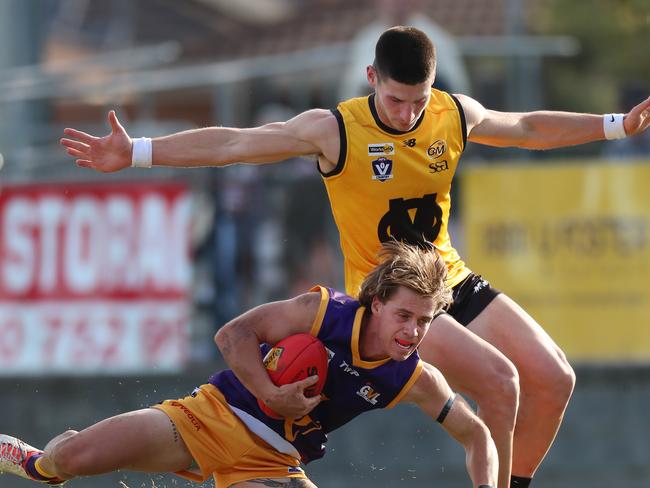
{"x":297,"y":212}
{"x":451,"y":74}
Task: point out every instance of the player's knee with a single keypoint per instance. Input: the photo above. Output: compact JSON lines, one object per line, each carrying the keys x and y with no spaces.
{"x":66,"y":456}
{"x":559,"y":381}
{"x":549,"y":384}
{"x":501,"y":392}
{"x":508,"y":381}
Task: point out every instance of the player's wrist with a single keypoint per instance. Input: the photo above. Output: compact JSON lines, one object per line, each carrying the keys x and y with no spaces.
{"x":142,"y":152}
{"x":268,"y":392}
{"x":613,"y":126}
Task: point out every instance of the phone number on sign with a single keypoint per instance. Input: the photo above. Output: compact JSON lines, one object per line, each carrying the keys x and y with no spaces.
{"x":83,"y":338}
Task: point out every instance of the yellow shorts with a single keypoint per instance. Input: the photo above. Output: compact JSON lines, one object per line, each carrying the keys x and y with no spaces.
{"x":221,"y":444}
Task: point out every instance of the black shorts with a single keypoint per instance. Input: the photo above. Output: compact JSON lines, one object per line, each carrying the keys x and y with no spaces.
{"x":470,"y":297}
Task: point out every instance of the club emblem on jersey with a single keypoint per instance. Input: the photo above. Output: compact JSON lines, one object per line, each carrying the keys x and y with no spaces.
{"x":382,"y":169}
{"x":437,"y":148}
{"x":368,"y":394}
{"x":381,"y":149}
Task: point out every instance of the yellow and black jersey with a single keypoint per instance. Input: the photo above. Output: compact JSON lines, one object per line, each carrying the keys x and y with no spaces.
{"x":392,"y":184}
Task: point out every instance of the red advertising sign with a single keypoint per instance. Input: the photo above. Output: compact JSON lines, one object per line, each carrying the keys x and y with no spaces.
{"x":94,"y":278}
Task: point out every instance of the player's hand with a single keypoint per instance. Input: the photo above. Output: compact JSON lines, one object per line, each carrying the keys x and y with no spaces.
{"x":104,"y":154}
{"x":289,"y":401}
{"x":638,"y":119}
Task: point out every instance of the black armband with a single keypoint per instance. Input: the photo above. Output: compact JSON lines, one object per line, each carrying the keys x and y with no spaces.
{"x":445,"y":409}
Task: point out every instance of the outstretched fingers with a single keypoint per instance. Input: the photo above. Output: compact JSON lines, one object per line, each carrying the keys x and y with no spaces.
{"x":76,"y":153}
{"x":84,"y":163}
{"x":79,"y":135}
{"x":638,"y":119}
{"x":77,"y":145}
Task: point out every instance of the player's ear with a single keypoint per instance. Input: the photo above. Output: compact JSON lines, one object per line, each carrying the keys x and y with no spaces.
{"x":372,"y":76}
{"x":376,"y":305}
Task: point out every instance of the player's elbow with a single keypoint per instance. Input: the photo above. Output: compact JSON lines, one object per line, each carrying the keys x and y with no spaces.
{"x":234,"y":334}
{"x":223,"y":337}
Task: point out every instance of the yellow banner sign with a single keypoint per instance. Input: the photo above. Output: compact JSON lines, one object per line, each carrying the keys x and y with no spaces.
{"x":571,"y":244}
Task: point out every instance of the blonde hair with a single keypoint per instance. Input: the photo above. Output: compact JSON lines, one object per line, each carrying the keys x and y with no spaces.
{"x":401,"y":264}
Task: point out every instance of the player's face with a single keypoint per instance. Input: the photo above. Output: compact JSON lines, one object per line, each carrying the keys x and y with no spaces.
{"x":398,"y":105}
{"x":403,"y":321}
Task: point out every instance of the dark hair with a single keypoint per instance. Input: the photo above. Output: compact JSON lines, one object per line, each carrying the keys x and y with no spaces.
{"x":406,"y":55}
{"x":419,"y":269}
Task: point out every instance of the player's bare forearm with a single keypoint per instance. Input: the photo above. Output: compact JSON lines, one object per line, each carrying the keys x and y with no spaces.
{"x":432,"y":394}
{"x":309,"y":133}
{"x":538,"y":130}
{"x":545,"y":129}
{"x":239,"y":340}
{"x":240,"y":348}
{"x":221,"y":146}
{"x":481,"y":455}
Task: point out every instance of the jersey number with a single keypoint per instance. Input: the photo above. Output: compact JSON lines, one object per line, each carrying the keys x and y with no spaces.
{"x":423,"y":228}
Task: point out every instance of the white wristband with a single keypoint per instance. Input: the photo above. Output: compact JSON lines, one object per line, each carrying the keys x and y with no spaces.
{"x":613,"y":126}
{"x":141,"y":156}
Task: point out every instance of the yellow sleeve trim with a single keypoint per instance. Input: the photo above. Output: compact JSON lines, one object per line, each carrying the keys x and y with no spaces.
{"x":414,"y":377}
{"x":322,"y":308}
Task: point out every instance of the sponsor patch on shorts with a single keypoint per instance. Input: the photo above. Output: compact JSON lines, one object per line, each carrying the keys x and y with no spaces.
{"x":294,"y":470}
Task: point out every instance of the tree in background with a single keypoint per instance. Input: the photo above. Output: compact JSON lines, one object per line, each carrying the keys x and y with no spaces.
{"x":614,"y":59}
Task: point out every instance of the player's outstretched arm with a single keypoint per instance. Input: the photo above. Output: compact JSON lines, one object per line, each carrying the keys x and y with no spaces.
{"x":549,"y":129}
{"x":239,"y":342}
{"x":435,"y":397}
{"x":311,"y":132}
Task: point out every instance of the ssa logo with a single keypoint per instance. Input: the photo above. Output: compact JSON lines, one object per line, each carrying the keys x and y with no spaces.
{"x":437,"y":149}
{"x":438,"y":166}
{"x":381,"y":149}
{"x":368,"y":394}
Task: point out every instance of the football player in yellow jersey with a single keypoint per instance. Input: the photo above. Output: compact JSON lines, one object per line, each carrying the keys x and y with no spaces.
{"x":387,"y":161}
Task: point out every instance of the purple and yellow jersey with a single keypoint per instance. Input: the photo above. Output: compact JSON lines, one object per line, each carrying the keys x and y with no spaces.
{"x":391,"y":184}
{"x":353,"y":385}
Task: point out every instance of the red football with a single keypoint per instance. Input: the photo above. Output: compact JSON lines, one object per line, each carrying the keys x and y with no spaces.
{"x":295,"y":358}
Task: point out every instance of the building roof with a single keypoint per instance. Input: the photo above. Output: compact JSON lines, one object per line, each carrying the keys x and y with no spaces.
{"x":217,"y":30}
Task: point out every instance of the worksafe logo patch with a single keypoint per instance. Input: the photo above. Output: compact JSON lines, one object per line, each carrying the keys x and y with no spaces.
{"x":381,"y":149}
{"x":382,"y":169}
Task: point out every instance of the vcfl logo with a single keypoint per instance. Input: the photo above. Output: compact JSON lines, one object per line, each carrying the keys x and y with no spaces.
{"x":382,"y":169}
